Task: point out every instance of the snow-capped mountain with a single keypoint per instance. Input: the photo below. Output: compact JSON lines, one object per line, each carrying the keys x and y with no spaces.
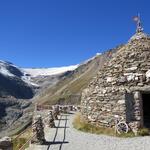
{"x":34,"y":72}
{"x":9,"y":69}
{"x":56,"y":85}
{"x":14,"y":82}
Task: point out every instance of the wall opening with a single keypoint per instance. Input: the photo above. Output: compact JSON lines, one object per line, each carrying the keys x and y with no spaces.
{"x":146,"y":109}
{"x":129,"y":101}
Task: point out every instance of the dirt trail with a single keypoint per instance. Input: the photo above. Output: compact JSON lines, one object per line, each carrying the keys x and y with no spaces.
{"x":65,"y":137}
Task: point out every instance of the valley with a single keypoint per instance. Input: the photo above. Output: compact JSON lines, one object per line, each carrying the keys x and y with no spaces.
{"x":22,"y":88}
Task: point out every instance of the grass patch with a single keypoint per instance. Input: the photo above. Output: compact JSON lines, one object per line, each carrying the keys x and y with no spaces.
{"x":18,"y":143}
{"x":81,"y":124}
{"x":144,"y":132}
{"x":20,"y":128}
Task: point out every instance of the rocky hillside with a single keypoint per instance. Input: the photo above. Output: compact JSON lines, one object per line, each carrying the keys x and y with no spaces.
{"x":71,"y":83}
{"x":62,"y":87}
{"x":14,"y":82}
{"x":15,"y":92}
{"x":46,"y":77}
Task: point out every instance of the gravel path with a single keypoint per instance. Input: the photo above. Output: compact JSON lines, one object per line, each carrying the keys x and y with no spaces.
{"x":65,"y":137}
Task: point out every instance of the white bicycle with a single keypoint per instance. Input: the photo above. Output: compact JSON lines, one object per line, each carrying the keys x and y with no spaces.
{"x":120,"y":125}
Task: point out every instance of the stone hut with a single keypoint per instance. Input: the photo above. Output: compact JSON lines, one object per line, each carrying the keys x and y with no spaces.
{"x":122,"y":86}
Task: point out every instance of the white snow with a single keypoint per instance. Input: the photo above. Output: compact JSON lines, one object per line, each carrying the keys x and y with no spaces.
{"x":97,"y":54}
{"x":28,"y":73}
{"x":27,"y":80}
{"x":34,"y":72}
{"x":4,"y":70}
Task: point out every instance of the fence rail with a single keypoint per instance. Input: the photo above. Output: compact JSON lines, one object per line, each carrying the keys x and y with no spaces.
{"x":38,"y":108}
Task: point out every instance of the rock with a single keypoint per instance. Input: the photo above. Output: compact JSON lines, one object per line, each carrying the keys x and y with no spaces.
{"x":6,"y":143}
{"x":109,"y":79}
{"x":122,"y":79}
{"x":50,"y":120}
{"x":56,"y":112}
{"x":148,"y":74}
{"x":121,"y":102}
{"x":38,"y":130}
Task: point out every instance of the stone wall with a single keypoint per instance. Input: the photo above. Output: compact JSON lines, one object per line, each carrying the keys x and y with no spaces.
{"x":116,"y":90}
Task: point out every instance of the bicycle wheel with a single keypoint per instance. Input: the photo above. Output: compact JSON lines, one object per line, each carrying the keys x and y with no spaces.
{"x":122,"y":127}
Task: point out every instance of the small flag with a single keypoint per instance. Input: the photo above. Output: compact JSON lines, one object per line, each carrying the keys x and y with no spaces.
{"x":136,"y":18}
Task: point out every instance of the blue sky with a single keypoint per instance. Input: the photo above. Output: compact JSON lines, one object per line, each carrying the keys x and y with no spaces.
{"x":49,"y":33}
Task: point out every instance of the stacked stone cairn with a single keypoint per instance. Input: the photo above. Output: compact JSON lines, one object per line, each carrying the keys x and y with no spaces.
{"x":6,"y":143}
{"x":117,"y":88}
{"x":38,"y":130}
{"x":51,"y":122}
{"x":71,"y":108}
{"x":56,"y":112}
{"x":65,"y":109}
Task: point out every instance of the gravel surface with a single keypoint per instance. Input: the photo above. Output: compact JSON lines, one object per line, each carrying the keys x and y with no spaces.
{"x":65,"y":137}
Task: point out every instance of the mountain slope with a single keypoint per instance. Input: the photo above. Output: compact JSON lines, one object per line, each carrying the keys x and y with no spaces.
{"x":68,"y":89}
{"x":13,"y":82}
{"x":60,"y":88}
{"x":15,"y":92}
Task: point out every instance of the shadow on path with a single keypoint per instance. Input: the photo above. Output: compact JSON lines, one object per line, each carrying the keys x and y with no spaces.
{"x":54,"y":142}
{"x":64,"y":135}
{"x":62,"y":127}
{"x":62,"y":119}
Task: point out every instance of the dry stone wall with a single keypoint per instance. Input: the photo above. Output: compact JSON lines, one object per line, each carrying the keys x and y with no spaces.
{"x":116,"y":88}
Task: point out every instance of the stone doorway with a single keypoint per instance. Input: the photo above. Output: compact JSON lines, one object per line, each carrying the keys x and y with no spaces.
{"x":146,"y":109}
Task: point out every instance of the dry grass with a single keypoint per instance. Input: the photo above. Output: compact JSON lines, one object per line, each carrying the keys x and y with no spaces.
{"x":144,"y":132}
{"x":70,"y":85}
{"x":20,"y":141}
{"x":81,"y":124}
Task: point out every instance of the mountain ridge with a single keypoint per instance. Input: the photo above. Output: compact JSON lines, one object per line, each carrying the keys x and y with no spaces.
{"x":60,"y":88}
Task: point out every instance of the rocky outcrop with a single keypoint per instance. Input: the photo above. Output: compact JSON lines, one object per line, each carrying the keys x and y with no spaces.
{"x":14,"y":86}
{"x":116,"y":90}
{"x":12,"y":109}
{"x":14,"y":82}
{"x":67,"y":87}
{"x":6,"y":143}
{"x":15,"y":92}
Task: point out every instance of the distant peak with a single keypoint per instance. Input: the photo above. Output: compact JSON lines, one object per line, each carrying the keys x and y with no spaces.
{"x":34,"y":72}
{"x":97,"y":54}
